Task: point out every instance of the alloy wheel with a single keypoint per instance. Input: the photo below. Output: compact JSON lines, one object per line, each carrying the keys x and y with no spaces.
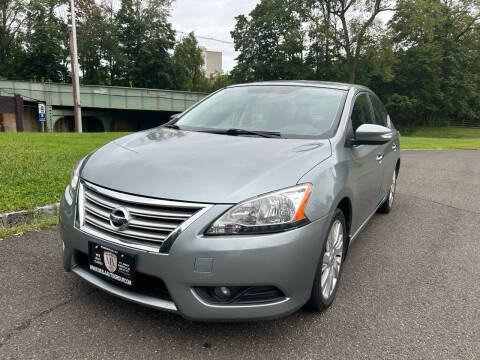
{"x":391,"y":194}
{"x":332,"y":260}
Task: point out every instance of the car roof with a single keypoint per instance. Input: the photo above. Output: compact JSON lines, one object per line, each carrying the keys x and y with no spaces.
{"x":322,"y":84}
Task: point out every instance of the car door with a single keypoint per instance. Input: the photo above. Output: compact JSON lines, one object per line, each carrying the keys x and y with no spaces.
{"x":367,"y":169}
{"x":389,"y":149}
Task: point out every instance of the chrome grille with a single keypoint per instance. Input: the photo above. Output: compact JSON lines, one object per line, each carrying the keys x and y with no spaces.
{"x":151,"y":221}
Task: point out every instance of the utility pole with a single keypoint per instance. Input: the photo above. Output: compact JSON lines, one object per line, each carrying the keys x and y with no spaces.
{"x":77,"y":108}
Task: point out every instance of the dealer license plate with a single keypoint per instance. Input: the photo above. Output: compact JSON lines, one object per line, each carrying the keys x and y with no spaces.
{"x":113,"y":264}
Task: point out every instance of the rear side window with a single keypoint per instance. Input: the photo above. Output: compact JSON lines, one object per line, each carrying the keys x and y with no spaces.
{"x":380,"y":112}
{"x":361,"y":113}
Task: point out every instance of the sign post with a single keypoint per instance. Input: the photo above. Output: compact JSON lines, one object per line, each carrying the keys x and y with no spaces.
{"x":42,"y":115}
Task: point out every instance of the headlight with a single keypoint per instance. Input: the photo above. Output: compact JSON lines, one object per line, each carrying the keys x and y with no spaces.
{"x":75,"y":177}
{"x":272,"y":212}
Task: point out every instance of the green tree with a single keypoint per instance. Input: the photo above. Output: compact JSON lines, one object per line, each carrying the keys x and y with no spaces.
{"x":376,"y":66}
{"x":285,"y":39}
{"x":188,"y":61}
{"x":271,"y":42}
{"x":110,"y":50}
{"x":154,"y":64}
{"x":352,"y":26}
{"x":44,"y":43}
{"x":324,"y":51}
{"x":435,"y":75}
{"x":145,"y":37}
{"x":12,"y":19}
{"x":91,"y":32}
{"x":217,"y":81}
{"x":214,"y":82}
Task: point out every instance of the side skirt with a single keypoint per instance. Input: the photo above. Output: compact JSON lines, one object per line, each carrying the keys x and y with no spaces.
{"x":354,"y":236}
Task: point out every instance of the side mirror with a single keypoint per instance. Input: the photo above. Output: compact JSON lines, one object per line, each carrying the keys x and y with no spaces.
{"x":370,"y":134}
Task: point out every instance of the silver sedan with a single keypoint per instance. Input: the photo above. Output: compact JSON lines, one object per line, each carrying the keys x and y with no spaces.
{"x":242,"y":207}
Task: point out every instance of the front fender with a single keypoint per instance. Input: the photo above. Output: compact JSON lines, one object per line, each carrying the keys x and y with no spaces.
{"x":330,"y":186}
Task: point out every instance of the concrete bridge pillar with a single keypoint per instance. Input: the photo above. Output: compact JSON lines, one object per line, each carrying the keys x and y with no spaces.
{"x":50,"y":118}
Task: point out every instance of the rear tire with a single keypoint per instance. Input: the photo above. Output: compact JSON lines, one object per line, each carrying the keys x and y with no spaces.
{"x":330,"y":266}
{"x":387,"y":205}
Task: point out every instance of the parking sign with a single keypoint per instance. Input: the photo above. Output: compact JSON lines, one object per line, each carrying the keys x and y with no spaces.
{"x":41,"y":113}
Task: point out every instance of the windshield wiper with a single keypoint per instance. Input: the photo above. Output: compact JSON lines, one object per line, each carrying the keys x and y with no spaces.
{"x":267,"y":134}
{"x":233,"y":131}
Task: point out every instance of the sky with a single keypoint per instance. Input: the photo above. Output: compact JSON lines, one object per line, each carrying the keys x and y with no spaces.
{"x":211,"y":19}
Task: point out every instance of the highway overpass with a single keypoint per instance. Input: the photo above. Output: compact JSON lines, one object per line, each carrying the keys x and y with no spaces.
{"x":104,"y":108}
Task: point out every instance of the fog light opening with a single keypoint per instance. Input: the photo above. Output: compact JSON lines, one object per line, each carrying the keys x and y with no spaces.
{"x":237,"y":295}
{"x":223,"y":292}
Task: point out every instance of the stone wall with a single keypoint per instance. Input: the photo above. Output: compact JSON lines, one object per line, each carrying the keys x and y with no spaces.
{"x":30,"y":119}
{"x":9,"y":122}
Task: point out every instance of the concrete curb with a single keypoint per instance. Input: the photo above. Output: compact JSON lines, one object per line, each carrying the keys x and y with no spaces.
{"x":25,"y":217}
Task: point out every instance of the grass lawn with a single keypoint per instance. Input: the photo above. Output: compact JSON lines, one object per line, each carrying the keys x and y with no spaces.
{"x":442,"y":132}
{"x":440,"y":138}
{"x":37,"y":224}
{"x":437,"y":143}
{"x":35,"y":167}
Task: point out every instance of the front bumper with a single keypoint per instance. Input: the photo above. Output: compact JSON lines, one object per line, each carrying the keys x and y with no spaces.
{"x":285,"y":260}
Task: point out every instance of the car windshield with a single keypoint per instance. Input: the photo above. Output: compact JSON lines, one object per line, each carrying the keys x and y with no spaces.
{"x":287,"y":110}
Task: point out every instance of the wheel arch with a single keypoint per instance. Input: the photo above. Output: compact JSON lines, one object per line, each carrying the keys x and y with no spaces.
{"x":345,"y":204}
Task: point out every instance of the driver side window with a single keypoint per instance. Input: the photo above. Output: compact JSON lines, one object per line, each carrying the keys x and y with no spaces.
{"x":361,"y":113}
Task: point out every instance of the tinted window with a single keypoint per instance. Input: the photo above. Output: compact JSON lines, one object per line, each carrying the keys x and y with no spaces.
{"x":380,"y":112}
{"x":361,"y":113}
{"x":290,"y":110}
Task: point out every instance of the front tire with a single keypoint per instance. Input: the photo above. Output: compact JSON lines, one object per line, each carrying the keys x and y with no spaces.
{"x":329,"y":269}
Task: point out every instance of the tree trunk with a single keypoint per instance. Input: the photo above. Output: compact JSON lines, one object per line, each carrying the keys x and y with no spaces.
{"x":352,"y":65}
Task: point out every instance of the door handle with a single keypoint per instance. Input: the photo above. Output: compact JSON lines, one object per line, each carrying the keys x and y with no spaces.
{"x":379,"y":157}
{"x":394,"y":147}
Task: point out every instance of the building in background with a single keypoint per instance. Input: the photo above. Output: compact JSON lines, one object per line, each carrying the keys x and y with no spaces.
{"x":213,"y":61}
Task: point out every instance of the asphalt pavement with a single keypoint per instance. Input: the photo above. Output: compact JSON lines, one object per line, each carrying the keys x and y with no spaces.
{"x":410,"y":289}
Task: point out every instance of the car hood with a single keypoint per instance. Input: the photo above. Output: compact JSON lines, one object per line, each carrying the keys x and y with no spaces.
{"x":202,"y":167}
